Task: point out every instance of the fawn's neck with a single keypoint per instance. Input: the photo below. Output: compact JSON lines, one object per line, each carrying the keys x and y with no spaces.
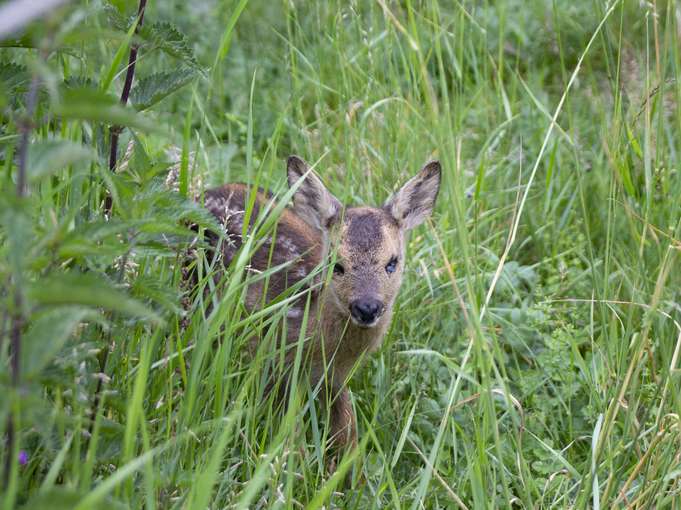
{"x":343,"y":342}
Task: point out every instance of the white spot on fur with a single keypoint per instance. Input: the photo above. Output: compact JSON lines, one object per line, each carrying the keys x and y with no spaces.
{"x":289,"y":246}
{"x":232,"y":219}
{"x":294,"y":313}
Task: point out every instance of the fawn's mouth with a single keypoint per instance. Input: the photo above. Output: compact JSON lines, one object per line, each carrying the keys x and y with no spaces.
{"x":363,"y":324}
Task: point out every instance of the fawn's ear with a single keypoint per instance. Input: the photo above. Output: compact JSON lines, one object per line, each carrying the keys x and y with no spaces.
{"x":311,"y":201}
{"x":414,"y":202}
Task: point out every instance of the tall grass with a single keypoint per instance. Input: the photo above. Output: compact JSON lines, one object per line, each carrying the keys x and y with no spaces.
{"x":533,"y":358}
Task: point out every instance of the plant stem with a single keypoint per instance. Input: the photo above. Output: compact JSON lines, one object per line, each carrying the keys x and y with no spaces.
{"x":17,"y":316}
{"x":103,"y":359}
{"x":15,"y":349}
{"x":127,"y":86}
{"x":25,"y":129}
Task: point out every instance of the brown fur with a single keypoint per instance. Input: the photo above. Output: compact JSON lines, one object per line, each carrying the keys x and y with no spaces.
{"x":364,"y":240}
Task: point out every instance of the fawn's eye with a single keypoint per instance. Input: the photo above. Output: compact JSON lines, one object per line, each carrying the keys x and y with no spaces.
{"x":338,"y":269}
{"x":391,"y":266}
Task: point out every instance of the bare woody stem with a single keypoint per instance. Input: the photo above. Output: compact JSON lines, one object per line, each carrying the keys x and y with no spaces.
{"x":127,"y":86}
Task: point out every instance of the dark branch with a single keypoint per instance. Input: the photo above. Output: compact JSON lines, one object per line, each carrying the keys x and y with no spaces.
{"x":127,"y":86}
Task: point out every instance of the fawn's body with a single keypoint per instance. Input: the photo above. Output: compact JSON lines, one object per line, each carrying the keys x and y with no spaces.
{"x":349,"y":316}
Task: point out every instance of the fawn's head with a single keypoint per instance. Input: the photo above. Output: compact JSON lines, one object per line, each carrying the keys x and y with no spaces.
{"x":368,"y":242}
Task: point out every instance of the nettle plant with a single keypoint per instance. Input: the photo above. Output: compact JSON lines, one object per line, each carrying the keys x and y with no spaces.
{"x":89,"y":234}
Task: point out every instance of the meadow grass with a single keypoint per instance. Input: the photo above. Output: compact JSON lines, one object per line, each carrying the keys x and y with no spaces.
{"x":533,"y":357}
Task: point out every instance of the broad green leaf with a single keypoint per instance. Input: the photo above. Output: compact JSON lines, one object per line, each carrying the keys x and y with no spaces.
{"x":25,"y":41}
{"x":94,"y":105}
{"x":113,"y":11}
{"x":47,"y":335}
{"x":13,"y":76}
{"x":14,"y":80}
{"x":152,"y":289}
{"x":76,"y":83}
{"x":88,"y":290}
{"x":152,"y":89}
{"x":49,"y":156}
{"x":171,"y":41}
{"x":98,"y":230}
{"x":83,"y":247}
{"x":104,"y":239}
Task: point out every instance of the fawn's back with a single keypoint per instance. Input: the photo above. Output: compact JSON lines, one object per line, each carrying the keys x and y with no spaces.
{"x":298,"y":247}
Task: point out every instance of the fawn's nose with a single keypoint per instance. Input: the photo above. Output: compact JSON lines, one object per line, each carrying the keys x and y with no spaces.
{"x":365,"y":311}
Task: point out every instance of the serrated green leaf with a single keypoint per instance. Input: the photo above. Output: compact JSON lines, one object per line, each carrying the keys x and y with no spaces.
{"x":152,"y":89}
{"x":13,"y":77}
{"x":98,"y":230}
{"x":114,"y":16}
{"x":49,"y":156}
{"x":87,"y":290}
{"x":82,"y":82}
{"x":150,"y":288}
{"x":170,"y":40}
{"x":17,"y":233}
{"x":47,"y":335}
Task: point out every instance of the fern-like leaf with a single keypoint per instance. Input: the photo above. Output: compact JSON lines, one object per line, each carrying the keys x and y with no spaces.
{"x":152,"y":89}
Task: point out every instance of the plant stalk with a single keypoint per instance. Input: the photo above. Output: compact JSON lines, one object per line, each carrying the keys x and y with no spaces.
{"x":17,"y":317}
{"x":125,"y":94}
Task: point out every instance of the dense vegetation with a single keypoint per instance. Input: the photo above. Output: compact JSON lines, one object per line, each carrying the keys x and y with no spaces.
{"x":533,"y":359}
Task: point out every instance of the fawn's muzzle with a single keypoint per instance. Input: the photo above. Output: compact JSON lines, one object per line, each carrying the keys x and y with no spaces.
{"x":366,"y":311}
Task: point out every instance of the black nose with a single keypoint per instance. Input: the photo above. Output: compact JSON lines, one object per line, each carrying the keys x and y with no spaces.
{"x":366,"y":310}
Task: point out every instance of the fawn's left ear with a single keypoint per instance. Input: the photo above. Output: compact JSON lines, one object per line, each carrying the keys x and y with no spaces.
{"x":311,"y":201}
{"x":414,"y":202}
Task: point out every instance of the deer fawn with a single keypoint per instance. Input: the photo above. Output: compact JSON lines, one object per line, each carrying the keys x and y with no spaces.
{"x":349,"y":314}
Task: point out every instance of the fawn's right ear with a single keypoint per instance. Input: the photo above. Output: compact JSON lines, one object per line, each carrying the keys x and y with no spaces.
{"x":414,"y":202}
{"x":311,"y":201}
